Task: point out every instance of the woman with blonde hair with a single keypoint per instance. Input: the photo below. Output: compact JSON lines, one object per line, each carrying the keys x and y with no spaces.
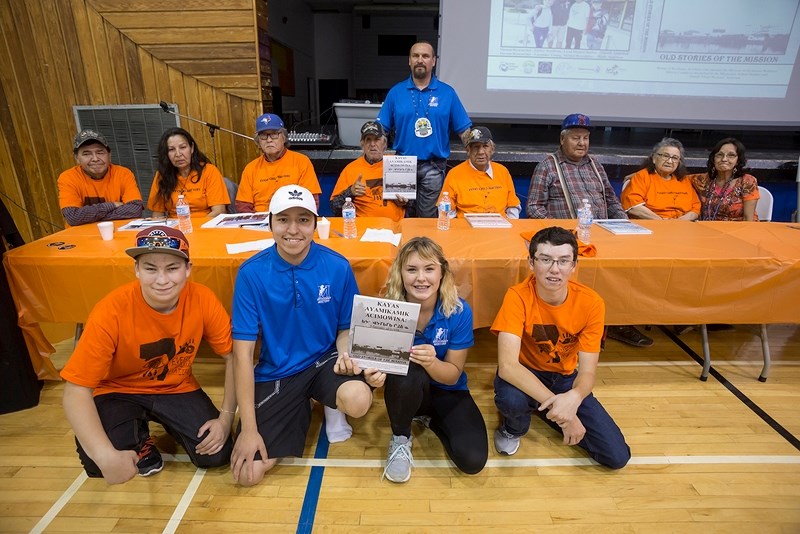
{"x":434,"y":392}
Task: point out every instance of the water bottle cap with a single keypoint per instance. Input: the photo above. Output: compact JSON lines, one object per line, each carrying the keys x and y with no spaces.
{"x":446,"y":194}
{"x":347,"y":199}
{"x":180,"y":196}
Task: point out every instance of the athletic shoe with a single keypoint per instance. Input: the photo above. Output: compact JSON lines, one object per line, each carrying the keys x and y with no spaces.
{"x":400,"y":460}
{"x":630,"y":335}
{"x":504,"y":442}
{"x":150,"y":461}
{"x":424,"y":420}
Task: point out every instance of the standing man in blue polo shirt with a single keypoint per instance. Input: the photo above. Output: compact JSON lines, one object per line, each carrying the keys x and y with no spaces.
{"x":422,"y":111}
{"x":296,"y":297}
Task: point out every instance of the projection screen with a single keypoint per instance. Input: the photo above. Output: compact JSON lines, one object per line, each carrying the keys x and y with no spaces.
{"x":639,"y":62}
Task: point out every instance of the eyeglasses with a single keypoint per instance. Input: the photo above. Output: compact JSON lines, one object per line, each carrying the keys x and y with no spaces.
{"x":720,"y":155}
{"x":668,"y":157}
{"x":563,"y":263}
{"x":159,"y":242}
{"x":263,"y":136}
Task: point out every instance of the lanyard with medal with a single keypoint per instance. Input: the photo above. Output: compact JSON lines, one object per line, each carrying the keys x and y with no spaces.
{"x":422,"y":125}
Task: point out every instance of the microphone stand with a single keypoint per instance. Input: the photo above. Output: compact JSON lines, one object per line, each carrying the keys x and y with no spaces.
{"x":212,"y":128}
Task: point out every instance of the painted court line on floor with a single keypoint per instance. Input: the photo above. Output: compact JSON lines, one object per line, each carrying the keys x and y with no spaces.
{"x":175,"y":521}
{"x":62,"y":501}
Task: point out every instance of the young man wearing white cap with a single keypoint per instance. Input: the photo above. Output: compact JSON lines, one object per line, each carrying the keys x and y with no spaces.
{"x":133,"y":364}
{"x":297,"y":298}
{"x":95,"y":189}
{"x":276,"y":167}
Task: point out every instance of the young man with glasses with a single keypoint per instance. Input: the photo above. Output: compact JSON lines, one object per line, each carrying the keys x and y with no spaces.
{"x":547,"y":326}
{"x":276,"y":167}
{"x":133,"y":365}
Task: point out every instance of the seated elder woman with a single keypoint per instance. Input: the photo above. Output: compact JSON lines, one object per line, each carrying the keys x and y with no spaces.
{"x":726,"y":191}
{"x":660,"y":190}
{"x":184,"y":170}
{"x":435,"y":390}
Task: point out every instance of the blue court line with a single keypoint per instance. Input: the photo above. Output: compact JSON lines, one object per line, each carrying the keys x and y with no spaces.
{"x":309,"y":510}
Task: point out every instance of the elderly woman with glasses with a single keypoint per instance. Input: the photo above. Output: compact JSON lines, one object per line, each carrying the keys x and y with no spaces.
{"x":659,"y":190}
{"x":726,"y":191}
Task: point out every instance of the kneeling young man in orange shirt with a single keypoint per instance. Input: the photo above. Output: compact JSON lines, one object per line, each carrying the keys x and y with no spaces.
{"x":133,"y":365}
{"x":547,"y":326}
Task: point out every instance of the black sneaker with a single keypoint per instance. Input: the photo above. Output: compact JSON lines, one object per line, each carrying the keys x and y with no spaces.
{"x":630,"y":335}
{"x":150,"y":461}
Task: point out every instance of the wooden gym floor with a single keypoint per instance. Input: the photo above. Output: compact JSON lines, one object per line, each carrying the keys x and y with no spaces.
{"x":716,"y":456}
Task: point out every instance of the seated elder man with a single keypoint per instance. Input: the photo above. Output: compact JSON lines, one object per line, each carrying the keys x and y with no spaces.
{"x":479,"y":185}
{"x":95,"y":189}
{"x":296,"y":297}
{"x":362,"y":180}
{"x":560,"y":183}
{"x":276,"y":167}
{"x":548,"y":331}
{"x":133,"y":364}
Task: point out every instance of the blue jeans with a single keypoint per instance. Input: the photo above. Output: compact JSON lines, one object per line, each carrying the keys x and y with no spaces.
{"x":430,"y":178}
{"x":603,"y":439}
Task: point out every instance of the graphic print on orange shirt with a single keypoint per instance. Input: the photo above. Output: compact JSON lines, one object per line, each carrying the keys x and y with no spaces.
{"x":547,"y":340}
{"x":160,"y":358}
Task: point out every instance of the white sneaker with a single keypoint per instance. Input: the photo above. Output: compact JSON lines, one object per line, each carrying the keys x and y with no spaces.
{"x":399,"y":461}
{"x":504,"y":442}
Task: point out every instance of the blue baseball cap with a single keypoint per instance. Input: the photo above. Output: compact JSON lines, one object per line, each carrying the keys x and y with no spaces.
{"x":576,"y":120}
{"x":268,"y":121}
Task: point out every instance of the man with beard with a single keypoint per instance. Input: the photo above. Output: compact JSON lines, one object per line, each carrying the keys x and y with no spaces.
{"x":422,"y":111}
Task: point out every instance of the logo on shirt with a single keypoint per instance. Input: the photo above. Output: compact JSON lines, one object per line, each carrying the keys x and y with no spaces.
{"x":550,"y":343}
{"x":433,"y":102}
{"x":441,"y":337}
{"x":324,"y":294}
{"x":160,"y":358}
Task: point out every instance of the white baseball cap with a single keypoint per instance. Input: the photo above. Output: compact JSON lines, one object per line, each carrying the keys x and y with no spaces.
{"x":292,"y":196}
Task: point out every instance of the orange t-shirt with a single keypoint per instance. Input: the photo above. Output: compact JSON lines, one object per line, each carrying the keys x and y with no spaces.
{"x":128,"y":347}
{"x":552,"y":335}
{"x":371,"y":203}
{"x":261,"y":178}
{"x":76,"y":189}
{"x":474,"y":191}
{"x":201,"y":194}
{"x":669,"y":199}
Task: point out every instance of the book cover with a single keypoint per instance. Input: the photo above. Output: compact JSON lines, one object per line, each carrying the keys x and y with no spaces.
{"x":621,"y":227}
{"x":487,"y":220}
{"x":256,"y":221}
{"x":399,"y":177}
{"x":382,"y":333}
{"x":141,"y":224}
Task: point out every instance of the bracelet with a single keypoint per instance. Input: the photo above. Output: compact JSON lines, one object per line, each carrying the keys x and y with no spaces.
{"x":227,"y":411}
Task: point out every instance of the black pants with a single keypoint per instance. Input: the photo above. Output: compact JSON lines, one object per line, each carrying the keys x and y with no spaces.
{"x":455,"y":418}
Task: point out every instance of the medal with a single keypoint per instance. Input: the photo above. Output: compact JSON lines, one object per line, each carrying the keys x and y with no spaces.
{"x":422,"y":127}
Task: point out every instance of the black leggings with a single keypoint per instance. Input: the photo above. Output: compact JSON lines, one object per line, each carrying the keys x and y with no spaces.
{"x":455,"y":418}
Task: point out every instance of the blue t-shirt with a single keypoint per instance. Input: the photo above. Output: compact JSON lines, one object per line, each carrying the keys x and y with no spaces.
{"x":438,"y":102}
{"x":298,"y":310}
{"x":445,"y":333}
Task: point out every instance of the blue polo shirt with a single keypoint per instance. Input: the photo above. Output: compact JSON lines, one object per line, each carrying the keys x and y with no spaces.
{"x":297,"y":310}
{"x":445,"y":333}
{"x":438,"y":102}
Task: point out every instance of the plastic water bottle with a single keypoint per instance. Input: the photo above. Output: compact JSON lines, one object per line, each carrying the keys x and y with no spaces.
{"x":444,"y":212}
{"x":349,"y":215}
{"x":585,"y":217}
{"x":184,"y":215}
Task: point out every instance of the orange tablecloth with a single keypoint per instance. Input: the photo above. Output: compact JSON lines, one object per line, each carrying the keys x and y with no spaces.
{"x":52,"y":285}
{"x":682,"y":273}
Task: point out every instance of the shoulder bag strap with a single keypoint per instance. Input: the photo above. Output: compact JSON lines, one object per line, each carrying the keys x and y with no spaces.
{"x":563,"y":186}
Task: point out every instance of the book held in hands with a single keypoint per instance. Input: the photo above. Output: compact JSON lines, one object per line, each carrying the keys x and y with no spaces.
{"x":382,"y":333}
{"x":399,"y":177}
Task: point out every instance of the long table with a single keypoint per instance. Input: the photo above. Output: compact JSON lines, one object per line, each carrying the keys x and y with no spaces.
{"x":682,"y":273}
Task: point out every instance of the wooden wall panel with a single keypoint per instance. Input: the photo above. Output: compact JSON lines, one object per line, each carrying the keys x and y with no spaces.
{"x":199,"y":54}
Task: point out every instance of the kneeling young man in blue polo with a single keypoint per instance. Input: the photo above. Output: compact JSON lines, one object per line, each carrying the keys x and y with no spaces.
{"x":297,"y":297}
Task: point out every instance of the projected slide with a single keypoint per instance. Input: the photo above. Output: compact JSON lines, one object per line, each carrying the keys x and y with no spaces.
{"x":735,"y":48}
